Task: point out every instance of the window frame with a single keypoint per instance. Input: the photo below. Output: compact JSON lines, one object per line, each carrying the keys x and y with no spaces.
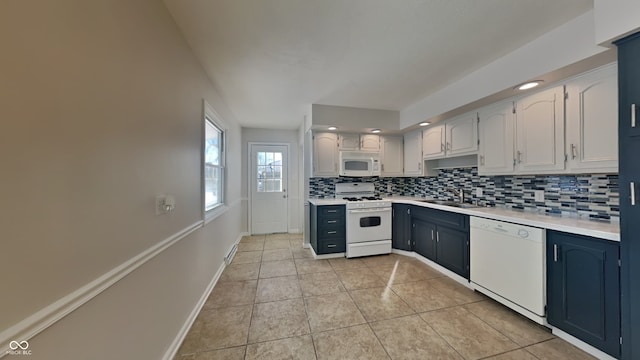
{"x":210,"y":116}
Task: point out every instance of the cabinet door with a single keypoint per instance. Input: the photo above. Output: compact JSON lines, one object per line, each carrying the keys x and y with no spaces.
{"x":583,"y":290}
{"x":413,"y":154}
{"x":496,"y":140}
{"x":369,"y":142}
{"x":325,"y":154}
{"x":423,"y":235}
{"x":453,"y":250}
{"x":629,"y":148}
{"x":592,"y":121}
{"x":540,"y":132}
{"x":401,"y":227}
{"x":392,"y":155}
{"x":461,"y":135}
{"x":349,"y":142}
{"x":433,"y":142}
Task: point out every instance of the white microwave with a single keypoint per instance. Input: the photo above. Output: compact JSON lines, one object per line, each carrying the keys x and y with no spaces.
{"x":354,"y":163}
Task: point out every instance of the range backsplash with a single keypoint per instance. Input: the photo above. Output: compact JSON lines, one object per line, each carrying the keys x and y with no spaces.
{"x":595,"y":196}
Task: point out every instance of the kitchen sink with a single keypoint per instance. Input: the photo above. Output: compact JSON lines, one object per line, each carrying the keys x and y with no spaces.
{"x":449,"y":203}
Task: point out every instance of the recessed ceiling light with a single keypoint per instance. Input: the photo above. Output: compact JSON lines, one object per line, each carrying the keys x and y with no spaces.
{"x":424,"y":123}
{"x":528,"y":85}
{"x":332,"y":128}
{"x":375,"y":131}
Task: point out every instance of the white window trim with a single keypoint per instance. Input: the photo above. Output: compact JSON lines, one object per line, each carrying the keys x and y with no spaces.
{"x":209,"y":114}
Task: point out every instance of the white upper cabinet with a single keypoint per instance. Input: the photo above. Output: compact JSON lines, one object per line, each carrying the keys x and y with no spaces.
{"x":433,"y":142}
{"x":325,"y":154}
{"x":456,"y":137}
{"x":592,"y":121}
{"x":540,"y":132}
{"x":461,"y":135}
{"x":496,"y":153}
{"x":370,"y":142}
{"x":413,"y":163}
{"x":392,"y":158}
{"x":349,"y":142}
{"x":357,"y":142}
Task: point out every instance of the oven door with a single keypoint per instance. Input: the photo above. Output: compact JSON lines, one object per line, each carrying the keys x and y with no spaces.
{"x":368,"y":225}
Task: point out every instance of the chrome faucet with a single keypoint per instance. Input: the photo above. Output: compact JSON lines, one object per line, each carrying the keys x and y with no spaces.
{"x":458,"y":192}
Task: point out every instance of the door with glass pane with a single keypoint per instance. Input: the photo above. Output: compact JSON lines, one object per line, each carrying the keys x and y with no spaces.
{"x":269,"y":200}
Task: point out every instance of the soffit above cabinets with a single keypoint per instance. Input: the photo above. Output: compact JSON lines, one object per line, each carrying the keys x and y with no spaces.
{"x":271,"y":59}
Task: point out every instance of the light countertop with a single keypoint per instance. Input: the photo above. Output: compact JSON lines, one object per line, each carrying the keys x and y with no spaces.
{"x":575,"y":225}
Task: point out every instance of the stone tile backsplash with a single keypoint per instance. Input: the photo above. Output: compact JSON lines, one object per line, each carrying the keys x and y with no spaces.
{"x":594,"y":196}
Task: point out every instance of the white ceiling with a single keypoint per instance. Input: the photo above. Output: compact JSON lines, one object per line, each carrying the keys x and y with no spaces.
{"x":270,"y":59}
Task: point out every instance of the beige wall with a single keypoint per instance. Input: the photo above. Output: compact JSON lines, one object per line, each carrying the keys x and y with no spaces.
{"x":295,"y":162}
{"x":100,"y":110}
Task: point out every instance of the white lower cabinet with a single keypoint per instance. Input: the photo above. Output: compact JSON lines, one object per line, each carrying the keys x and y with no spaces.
{"x":592,"y":121}
{"x":413,"y":163}
{"x":392,"y":150}
{"x":540,"y":132}
{"x":496,"y":153}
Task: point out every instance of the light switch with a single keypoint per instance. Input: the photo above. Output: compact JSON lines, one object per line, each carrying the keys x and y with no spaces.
{"x":165,"y":204}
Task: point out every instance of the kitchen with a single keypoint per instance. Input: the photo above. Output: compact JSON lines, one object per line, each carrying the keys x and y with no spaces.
{"x":503,"y":222}
{"x":106,"y":101}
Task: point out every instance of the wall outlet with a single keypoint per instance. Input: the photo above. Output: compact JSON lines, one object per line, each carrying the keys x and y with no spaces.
{"x":538,"y":195}
{"x":389,"y":188}
{"x":479,"y":191}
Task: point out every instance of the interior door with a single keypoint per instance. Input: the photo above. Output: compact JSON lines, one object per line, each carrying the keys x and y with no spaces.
{"x":269,"y":203}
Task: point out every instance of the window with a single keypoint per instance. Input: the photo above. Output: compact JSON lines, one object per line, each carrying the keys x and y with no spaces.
{"x":269,"y":171}
{"x":214,"y":156}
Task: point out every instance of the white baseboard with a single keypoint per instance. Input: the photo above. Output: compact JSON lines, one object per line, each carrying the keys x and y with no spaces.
{"x":47,"y":316}
{"x":445,"y":271}
{"x":184,"y":330}
{"x":581,"y":344}
{"x":175,"y":344}
{"x":295,"y":231}
{"x":326,"y":256}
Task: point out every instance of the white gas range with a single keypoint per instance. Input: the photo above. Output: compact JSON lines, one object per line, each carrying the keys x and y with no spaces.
{"x":368,"y":220}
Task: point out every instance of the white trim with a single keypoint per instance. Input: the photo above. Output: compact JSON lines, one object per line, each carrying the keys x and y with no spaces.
{"x":209,"y":113}
{"x":581,"y":344}
{"x":295,"y":231}
{"x":184,"y":330}
{"x":326,"y":256}
{"x":445,"y":271}
{"x":50,"y":314}
{"x":220,"y":210}
{"x":250,"y":177}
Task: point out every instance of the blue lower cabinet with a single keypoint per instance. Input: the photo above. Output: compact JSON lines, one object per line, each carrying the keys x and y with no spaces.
{"x":453,"y":250}
{"x":423,"y":233}
{"x":401,"y":227}
{"x":583,"y":289}
{"x":328,"y":228}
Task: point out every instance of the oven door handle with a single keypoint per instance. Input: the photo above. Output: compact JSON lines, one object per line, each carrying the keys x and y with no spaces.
{"x":361,"y":211}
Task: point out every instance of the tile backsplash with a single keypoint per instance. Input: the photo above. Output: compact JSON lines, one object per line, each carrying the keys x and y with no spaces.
{"x":594,"y":196}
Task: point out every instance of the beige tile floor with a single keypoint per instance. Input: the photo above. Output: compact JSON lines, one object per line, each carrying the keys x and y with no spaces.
{"x":275,"y":302}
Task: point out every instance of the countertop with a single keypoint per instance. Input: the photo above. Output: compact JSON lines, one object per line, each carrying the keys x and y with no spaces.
{"x":574,"y":225}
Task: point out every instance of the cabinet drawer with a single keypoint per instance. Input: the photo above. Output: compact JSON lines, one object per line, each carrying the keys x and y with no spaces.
{"x":330,"y":221}
{"x":328,"y":246}
{"x":331,"y":210}
{"x":440,"y":217}
{"x":331,"y":232}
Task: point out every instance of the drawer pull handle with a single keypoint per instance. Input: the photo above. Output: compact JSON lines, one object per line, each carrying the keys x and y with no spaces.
{"x":332,"y":232}
{"x":331,"y":245}
{"x":633,"y":115}
{"x":332,"y":211}
{"x":632,"y":188}
{"x":332,"y":221}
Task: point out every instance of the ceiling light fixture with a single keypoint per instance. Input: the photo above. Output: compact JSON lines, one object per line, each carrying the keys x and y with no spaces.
{"x":375,"y":131}
{"x":424,"y":123}
{"x":528,"y":85}
{"x":332,"y":128}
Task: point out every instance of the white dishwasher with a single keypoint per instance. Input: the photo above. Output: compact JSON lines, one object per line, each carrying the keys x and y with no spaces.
{"x":508,"y":265}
